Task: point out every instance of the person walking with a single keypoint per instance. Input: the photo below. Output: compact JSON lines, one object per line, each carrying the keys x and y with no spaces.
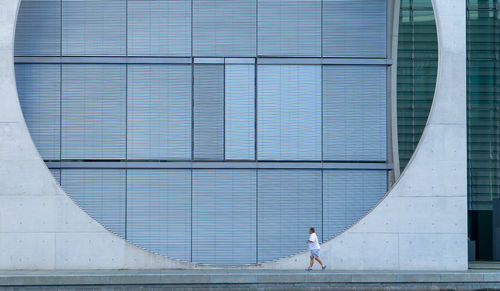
{"x":314,"y":248}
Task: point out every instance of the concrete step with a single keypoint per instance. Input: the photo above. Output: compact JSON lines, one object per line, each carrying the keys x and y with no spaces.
{"x":249,"y":280}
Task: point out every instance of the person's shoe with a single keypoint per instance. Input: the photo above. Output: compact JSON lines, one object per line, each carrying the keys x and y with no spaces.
{"x":323,"y":267}
{"x":309,"y":269}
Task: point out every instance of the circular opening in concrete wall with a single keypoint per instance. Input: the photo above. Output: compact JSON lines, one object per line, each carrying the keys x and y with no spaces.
{"x":214,"y":132}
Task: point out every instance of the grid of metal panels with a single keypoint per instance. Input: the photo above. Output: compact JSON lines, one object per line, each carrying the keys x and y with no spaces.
{"x":198,"y":129}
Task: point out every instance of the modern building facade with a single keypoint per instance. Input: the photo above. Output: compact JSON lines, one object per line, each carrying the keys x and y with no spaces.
{"x":417,"y":68}
{"x":215,"y":133}
{"x":142,"y":92}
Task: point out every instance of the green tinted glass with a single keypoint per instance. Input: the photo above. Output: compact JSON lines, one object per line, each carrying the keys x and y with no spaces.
{"x":417,"y":69}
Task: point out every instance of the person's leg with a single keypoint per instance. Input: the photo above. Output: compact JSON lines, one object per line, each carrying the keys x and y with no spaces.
{"x":312,"y":262}
{"x":319,"y":261}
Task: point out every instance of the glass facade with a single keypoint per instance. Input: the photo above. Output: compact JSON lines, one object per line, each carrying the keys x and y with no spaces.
{"x":483,"y":103}
{"x":417,"y":62}
{"x":210,"y":131}
{"x":417,"y":71}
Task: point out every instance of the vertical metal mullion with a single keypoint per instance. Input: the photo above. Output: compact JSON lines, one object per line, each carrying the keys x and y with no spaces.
{"x":321,"y":27}
{"x":126,"y":119}
{"x":192,"y":128}
{"x":495,"y":138}
{"x":60,"y":109}
{"x":468,"y":60}
{"x":192,"y":152}
{"x":255,"y":156}
{"x":60,"y":83}
{"x":223,"y":111}
{"x":322,"y":123}
{"x":322,"y":208}
{"x":126,"y":148}
{"x":256,"y":215}
{"x":497,"y":99}
{"x":256,"y":29}
{"x":255,"y":67}
{"x":412,"y":11}
{"x":322,"y":138}
{"x":191,"y":214}
{"x":126,"y":27}
{"x":192,"y":86}
{"x":61,"y":27}
{"x":255,"y":94}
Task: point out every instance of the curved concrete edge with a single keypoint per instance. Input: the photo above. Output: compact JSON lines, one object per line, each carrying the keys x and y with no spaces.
{"x":420,"y":225}
{"x":40,"y":226}
{"x":392,"y":129}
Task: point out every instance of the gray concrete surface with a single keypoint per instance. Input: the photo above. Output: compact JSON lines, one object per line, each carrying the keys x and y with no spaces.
{"x":40,"y":226}
{"x":245,"y":278}
{"x":484,"y":265}
{"x":420,"y":225}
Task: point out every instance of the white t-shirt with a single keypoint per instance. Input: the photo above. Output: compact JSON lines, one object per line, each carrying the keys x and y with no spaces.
{"x":314,"y":245}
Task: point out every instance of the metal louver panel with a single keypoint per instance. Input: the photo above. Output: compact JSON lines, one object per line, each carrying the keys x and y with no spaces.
{"x":38,"y":28}
{"x":224,"y":216}
{"x":93,"y":111}
{"x":208,"y":112}
{"x":289,"y":203}
{"x":289,"y":112}
{"x":159,"y":211}
{"x":197,"y":129}
{"x":94,"y":28}
{"x":348,"y":195}
{"x":57,"y":174}
{"x":355,"y":28}
{"x":159,"y":28}
{"x":159,"y":112}
{"x":100,"y":193}
{"x":39,"y":94}
{"x":354,"y":113}
{"x":240,"y":112}
{"x":289,"y":28}
{"x":224,"y":28}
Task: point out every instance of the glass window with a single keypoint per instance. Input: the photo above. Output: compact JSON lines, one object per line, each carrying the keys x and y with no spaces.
{"x":240,"y":112}
{"x":159,"y":28}
{"x":289,"y":112}
{"x":224,"y":28}
{"x":348,"y":195}
{"x":93,"y":111}
{"x":159,"y":211}
{"x":224,"y":216}
{"x":288,"y":206}
{"x":39,"y":88}
{"x":289,"y":27}
{"x":354,"y":113}
{"x":355,"y":28}
{"x":208,"y":112}
{"x":94,"y":28}
{"x":38,"y":28}
{"x":159,"y":112}
{"x":100,"y":193}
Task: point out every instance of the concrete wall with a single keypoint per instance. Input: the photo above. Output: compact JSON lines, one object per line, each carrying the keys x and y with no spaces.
{"x":420,"y":225}
{"x":422,"y":222}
